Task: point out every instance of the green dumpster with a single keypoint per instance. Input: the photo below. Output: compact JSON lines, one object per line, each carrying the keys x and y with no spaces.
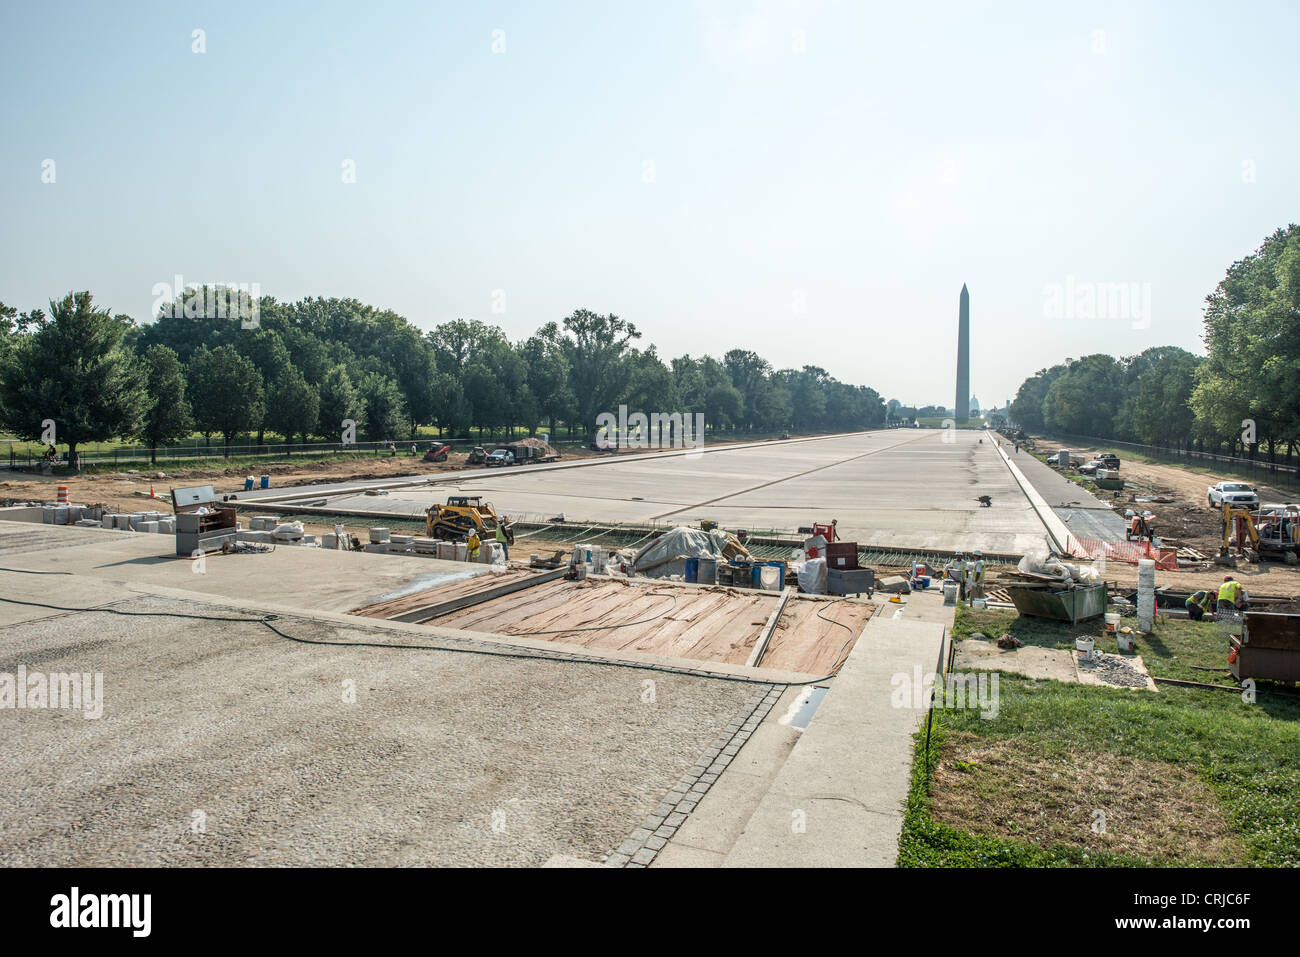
{"x":1072,"y":603}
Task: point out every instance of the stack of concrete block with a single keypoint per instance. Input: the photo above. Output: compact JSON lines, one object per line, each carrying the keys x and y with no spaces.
{"x":264,"y":523}
{"x":260,"y":536}
{"x":379,"y":535}
{"x":147,"y":526}
{"x":89,"y":523}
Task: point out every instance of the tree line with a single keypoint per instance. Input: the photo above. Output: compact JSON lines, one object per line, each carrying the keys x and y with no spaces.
{"x":300,"y":369}
{"x":1242,"y":396}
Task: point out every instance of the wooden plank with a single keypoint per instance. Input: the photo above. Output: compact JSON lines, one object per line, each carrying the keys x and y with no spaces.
{"x":765,"y":635}
{"x":428,"y":612}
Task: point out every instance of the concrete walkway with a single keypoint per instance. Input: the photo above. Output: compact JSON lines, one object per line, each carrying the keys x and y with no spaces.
{"x":838,"y":799}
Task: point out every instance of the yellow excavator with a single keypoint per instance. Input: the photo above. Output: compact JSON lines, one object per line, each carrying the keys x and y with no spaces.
{"x":463,"y":514}
{"x":1273,"y":533}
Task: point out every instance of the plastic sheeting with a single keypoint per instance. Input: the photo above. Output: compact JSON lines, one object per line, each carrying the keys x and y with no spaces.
{"x":679,"y":543}
{"x":812,"y":576}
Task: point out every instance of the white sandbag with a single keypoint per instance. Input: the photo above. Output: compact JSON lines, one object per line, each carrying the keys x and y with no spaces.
{"x":288,"y":532}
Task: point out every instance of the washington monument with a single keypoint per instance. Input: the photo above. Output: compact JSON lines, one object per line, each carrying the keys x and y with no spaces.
{"x":962,"y":410}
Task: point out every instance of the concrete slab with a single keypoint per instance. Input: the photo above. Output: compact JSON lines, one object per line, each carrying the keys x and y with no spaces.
{"x":1041,"y":663}
{"x":911,"y":488}
{"x":838,"y":799}
{"x":1082,"y":512}
{"x":315,"y":578}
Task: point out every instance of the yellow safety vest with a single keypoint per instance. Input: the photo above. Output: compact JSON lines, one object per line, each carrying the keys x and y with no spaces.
{"x":501,"y":534}
{"x":1229,"y":591}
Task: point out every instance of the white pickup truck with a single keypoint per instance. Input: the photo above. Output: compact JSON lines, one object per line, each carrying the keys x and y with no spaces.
{"x":1232,"y":493}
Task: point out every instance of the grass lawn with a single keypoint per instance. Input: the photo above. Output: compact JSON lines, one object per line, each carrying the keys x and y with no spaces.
{"x":1075,"y":775}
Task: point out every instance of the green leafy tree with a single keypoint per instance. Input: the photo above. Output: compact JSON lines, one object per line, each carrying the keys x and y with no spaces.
{"x":597,"y":349}
{"x":226,"y":392}
{"x":168,"y":416}
{"x":1084,"y":400}
{"x":385,"y":413}
{"x":1252,"y":338}
{"x":73,"y":370}
{"x":293,"y":406}
{"x":339,"y":400}
{"x":1027,"y":407}
{"x":548,"y":375}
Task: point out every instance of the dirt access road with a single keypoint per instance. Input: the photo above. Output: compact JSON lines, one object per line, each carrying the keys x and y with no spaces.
{"x":1188,"y":520}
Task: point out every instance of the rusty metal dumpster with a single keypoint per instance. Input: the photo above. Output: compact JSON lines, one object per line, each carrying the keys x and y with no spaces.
{"x":1268,"y":647}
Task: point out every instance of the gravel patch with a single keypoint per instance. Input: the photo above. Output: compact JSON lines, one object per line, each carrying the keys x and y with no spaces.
{"x":1112,"y":669}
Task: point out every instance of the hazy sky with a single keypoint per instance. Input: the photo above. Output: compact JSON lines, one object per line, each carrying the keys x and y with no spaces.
{"x":810,"y":180}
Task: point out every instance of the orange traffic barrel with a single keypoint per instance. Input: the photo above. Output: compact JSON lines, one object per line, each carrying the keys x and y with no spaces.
{"x":63,"y":495}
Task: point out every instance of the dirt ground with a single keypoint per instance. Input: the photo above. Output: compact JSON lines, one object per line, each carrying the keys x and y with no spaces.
{"x":1009,"y":790}
{"x":1184,"y":519}
{"x":126,"y":488}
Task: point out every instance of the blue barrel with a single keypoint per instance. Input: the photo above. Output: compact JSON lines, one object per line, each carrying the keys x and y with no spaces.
{"x":266,"y":481}
{"x":692,"y":569}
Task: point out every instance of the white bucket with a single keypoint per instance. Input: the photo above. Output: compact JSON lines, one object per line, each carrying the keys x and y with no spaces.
{"x":978,"y":603}
{"x":1083,"y":645}
{"x":1126,"y":642}
{"x":1112,"y":621}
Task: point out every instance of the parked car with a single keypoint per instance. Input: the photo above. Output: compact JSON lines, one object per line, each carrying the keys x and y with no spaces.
{"x":1090,"y":468}
{"x":500,"y":457}
{"x":1232,"y":493}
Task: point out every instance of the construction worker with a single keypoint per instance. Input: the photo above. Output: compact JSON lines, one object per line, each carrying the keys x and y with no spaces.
{"x":1198,"y":603}
{"x":955,"y":571}
{"x":1233,"y":595}
{"x":501,"y":537}
{"x":976,"y":589}
{"x":473,"y":544}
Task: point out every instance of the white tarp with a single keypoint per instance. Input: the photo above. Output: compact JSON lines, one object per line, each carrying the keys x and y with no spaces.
{"x":812,"y":576}
{"x":679,"y":543}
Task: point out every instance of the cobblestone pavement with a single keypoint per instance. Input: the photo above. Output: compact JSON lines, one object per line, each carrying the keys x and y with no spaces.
{"x":643,"y":844}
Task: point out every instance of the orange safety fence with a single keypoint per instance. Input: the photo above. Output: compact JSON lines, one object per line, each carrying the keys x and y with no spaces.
{"x":1127,"y":552}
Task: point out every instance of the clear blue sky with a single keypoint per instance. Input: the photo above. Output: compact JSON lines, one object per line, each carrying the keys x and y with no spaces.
{"x":907,"y":149}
